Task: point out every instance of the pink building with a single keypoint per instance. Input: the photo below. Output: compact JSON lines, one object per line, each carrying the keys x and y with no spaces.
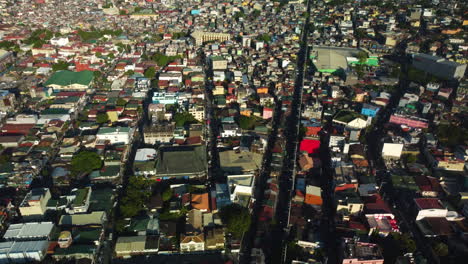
{"x":267,"y":113}
{"x":357,"y":252}
{"x":408,"y":121}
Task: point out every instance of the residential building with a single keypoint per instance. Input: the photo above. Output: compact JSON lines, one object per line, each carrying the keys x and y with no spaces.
{"x":192,"y":243}
{"x":158,"y":133}
{"x":115,"y":135}
{"x":34,"y":203}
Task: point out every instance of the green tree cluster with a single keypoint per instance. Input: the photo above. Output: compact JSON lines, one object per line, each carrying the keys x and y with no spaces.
{"x":167,"y":194}
{"x":8,"y":45}
{"x":150,"y":72}
{"x":136,"y":194}
{"x":85,"y":162}
{"x":60,"y":66}
{"x":39,"y":37}
{"x":178,"y":35}
{"x":264,"y":37}
{"x":405,"y":243}
{"x":441,"y":249}
{"x":451,"y":135}
{"x":246,"y":122}
{"x":102,"y":118}
{"x":97,"y":34}
{"x":184,"y":118}
{"x":236,"y":219}
{"x":162,"y":60}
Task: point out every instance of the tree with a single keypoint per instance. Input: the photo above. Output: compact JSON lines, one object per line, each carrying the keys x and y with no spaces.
{"x":136,"y":194}
{"x":362,"y":56}
{"x":167,"y":194}
{"x":405,"y":243}
{"x":246,"y":122}
{"x":111,"y":55}
{"x":122,"y":12}
{"x":121,"y":102}
{"x":129,"y":72}
{"x":184,"y":118}
{"x":102,"y":118}
{"x":236,"y":219}
{"x":60,"y":66}
{"x":85,"y":162}
{"x":441,"y":249}
{"x":410,"y":158}
{"x":97,"y":74}
{"x":150,"y":72}
{"x":98,"y":54}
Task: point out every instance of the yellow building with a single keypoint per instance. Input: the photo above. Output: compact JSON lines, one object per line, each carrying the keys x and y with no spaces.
{"x":35,"y":203}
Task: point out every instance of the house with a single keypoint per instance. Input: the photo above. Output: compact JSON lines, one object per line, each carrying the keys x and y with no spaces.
{"x":96,"y":218}
{"x":214,"y":239}
{"x":369,"y":110}
{"x":219,"y":63}
{"x":200,"y":202}
{"x":313,"y":195}
{"x":136,"y":245}
{"x":192,"y":243}
{"x":230,"y":130}
{"x":80,"y":202}
{"x":429,"y":207}
{"x":115,"y":135}
{"x":34,"y":203}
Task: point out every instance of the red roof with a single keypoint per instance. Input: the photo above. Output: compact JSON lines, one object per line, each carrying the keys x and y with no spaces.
{"x":310,"y":145}
{"x":428,"y":203}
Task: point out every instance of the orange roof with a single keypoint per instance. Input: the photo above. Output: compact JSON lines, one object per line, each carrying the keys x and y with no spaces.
{"x":200,"y":201}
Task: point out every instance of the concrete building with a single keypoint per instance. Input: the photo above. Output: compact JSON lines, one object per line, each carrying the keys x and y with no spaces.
{"x":34,"y":203}
{"x":410,"y":121}
{"x":201,"y":37}
{"x":70,"y":81}
{"x":392,"y":150}
{"x":158,"y":134}
{"x":357,"y":252}
{"x":438,"y":66}
{"x":115,"y":134}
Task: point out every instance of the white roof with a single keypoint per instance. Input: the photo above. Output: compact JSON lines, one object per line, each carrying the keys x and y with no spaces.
{"x":29,"y":230}
{"x":392,"y":150}
{"x":313,"y":190}
{"x":145,"y":154}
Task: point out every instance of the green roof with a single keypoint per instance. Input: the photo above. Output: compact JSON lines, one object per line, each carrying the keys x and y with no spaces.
{"x":108,"y":130}
{"x":64,"y":78}
{"x":179,"y":160}
{"x":55,"y":111}
{"x":101,"y":200}
{"x":81,"y":195}
{"x":75,"y":249}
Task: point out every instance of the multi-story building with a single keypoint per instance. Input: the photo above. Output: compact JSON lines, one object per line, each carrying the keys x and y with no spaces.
{"x":410,"y":121}
{"x":34,"y":203}
{"x":115,"y":134}
{"x":439,"y":67}
{"x":201,"y":37}
{"x":198,"y":112}
{"x":357,"y":252}
{"x":158,"y":134}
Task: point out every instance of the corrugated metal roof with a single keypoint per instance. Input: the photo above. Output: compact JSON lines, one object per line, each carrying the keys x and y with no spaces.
{"x":29,"y":230}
